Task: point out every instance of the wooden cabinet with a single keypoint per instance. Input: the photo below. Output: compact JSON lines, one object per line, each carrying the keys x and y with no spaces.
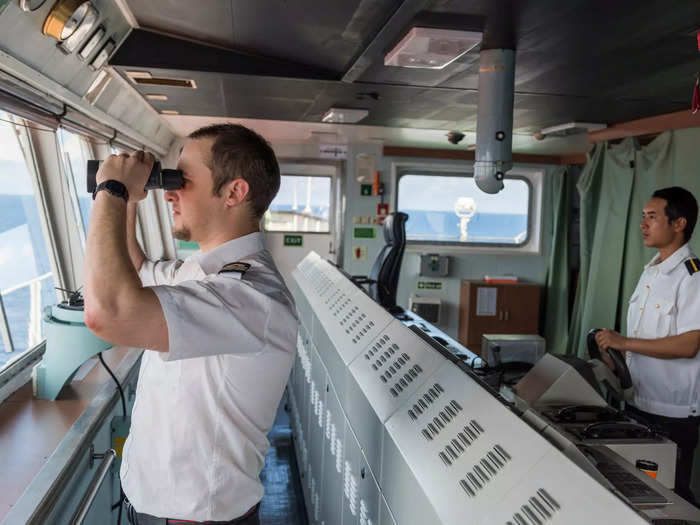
{"x":497,"y":309}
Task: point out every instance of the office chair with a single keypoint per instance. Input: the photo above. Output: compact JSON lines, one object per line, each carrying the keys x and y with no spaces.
{"x":384,"y":277}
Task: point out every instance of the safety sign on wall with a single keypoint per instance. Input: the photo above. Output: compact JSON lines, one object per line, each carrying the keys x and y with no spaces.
{"x":293,"y":240}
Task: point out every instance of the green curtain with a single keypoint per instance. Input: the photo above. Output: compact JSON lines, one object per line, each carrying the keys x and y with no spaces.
{"x":615,"y":183}
{"x":556,"y":329}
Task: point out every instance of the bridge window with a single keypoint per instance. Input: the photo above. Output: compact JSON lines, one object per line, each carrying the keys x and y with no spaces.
{"x":451,"y":210}
{"x":302,"y":205}
{"x":76,"y":151}
{"x":26,"y":281}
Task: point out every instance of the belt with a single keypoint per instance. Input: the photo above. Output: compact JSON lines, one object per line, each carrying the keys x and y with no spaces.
{"x":140,"y":518}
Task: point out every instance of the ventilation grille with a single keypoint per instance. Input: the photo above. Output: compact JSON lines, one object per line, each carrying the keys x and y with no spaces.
{"x":350,"y":488}
{"x":364,"y":514}
{"x":539,"y":509}
{"x":448,"y":413}
{"x":305,"y":362}
{"x":483,"y":472}
{"x":355,"y":323}
{"x":163,"y":81}
{"x":459,"y":444}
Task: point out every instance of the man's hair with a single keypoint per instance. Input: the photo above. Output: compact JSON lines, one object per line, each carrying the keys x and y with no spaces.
{"x":240,"y":153}
{"x":680,"y":203}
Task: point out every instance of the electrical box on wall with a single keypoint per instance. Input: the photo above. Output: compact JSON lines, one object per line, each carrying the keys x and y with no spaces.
{"x":434,"y":265}
{"x":427,"y":307}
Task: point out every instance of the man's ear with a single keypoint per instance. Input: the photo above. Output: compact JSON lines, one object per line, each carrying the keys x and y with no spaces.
{"x":236,"y":192}
{"x":679,"y":224}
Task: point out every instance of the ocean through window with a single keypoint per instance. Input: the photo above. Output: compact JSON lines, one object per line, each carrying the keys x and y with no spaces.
{"x":451,"y":209}
{"x":26,"y":281}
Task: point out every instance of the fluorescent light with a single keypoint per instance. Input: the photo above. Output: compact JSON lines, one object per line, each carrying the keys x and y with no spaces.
{"x":570,"y":128}
{"x":428,"y":48}
{"x":133,"y":75}
{"x":151,"y":96}
{"x":87,"y":24}
{"x":344,"y":116}
{"x":103,"y":54}
{"x":169,"y":112}
{"x":98,"y":86}
{"x":91,"y":44}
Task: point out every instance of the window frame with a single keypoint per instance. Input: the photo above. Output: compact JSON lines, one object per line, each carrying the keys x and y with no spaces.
{"x":287,"y":172}
{"x":534,"y":178}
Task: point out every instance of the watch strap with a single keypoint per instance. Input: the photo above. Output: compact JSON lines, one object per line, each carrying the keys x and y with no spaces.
{"x":113,"y":187}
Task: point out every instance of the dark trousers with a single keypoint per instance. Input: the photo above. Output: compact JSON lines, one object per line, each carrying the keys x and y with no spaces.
{"x":139,"y":518}
{"x":684,"y":432}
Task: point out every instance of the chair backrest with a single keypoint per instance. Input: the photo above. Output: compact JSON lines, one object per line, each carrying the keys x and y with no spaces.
{"x":387,"y":265}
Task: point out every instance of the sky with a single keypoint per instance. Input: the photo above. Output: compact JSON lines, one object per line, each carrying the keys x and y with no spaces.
{"x":17,"y":259}
{"x":320,"y":191}
{"x":431,"y":192}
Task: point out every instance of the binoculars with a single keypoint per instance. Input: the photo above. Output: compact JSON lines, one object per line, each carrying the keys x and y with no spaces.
{"x":159,"y":178}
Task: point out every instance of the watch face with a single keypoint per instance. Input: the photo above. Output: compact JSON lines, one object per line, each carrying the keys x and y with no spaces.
{"x":115,"y":187}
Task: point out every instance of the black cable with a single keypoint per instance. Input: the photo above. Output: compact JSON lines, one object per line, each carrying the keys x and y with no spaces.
{"x":121,"y":392}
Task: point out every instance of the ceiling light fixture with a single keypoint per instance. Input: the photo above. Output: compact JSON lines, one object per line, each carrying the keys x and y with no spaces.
{"x":152,"y":96}
{"x":429,"y":48}
{"x":30,"y":5}
{"x":133,"y":75}
{"x":89,"y":22}
{"x":570,"y":128}
{"x":169,"y":112}
{"x":103,"y":54}
{"x":97,"y":87}
{"x":344,"y":115}
{"x":91,"y":44}
{"x":65,"y":17}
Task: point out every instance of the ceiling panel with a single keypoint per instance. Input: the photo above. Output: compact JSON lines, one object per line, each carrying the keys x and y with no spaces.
{"x":586,"y":60}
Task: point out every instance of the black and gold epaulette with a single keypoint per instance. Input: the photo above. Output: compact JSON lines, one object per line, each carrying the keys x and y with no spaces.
{"x":693,"y":265}
{"x":235,"y":267}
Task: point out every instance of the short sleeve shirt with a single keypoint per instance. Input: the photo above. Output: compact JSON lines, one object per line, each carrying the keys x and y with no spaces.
{"x":203,"y":409}
{"x":666,"y":302}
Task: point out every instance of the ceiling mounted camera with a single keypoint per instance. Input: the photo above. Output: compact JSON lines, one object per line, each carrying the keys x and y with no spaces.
{"x":455,"y":137}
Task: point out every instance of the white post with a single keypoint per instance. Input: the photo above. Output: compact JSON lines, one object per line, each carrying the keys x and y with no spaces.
{"x":307,"y":210}
{"x":34,"y":313}
{"x":5,"y":329}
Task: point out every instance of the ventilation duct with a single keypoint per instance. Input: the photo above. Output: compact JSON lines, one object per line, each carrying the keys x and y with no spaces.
{"x":494,"y":125}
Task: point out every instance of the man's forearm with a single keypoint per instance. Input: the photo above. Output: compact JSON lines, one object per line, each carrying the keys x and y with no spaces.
{"x":135,"y":253}
{"x":684,"y":345}
{"x":110,"y":277}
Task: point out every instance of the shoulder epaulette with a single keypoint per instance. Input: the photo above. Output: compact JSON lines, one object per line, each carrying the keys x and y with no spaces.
{"x":693,"y":265}
{"x":235,"y":267}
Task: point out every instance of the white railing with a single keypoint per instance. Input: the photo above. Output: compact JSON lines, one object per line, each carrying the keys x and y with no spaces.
{"x":34,"y":328}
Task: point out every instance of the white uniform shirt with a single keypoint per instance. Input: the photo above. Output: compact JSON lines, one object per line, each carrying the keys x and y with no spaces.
{"x":666,"y":302}
{"x":203,"y":409}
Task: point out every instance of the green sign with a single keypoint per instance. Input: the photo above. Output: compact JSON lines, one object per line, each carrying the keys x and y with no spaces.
{"x":187,"y":245}
{"x":429,"y":285}
{"x":364,"y":233}
{"x":366,"y":189}
{"x":293,"y":240}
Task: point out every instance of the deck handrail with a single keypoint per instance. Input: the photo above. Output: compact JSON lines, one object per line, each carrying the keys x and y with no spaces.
{"x":94,"y":486}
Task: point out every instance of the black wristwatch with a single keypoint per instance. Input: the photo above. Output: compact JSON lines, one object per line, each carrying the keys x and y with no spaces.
{"x":114,"y":187}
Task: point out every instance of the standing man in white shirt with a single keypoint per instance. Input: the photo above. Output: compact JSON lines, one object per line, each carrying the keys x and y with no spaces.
{"x":663,"y":328}
{"x":220,"y":328}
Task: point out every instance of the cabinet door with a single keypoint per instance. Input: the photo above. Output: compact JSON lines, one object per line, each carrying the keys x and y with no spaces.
{"x":487,"y":304}
{"x":520,"y":309}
